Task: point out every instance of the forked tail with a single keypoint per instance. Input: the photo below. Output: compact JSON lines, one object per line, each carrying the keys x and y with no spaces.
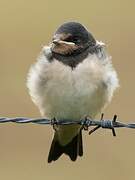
{"x":72,"y":149}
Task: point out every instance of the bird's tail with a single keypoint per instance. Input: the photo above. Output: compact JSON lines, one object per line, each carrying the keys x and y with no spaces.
{"x":72,"y":149}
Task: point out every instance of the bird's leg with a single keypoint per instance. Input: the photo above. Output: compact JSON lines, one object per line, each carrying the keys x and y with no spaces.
{"x":54,"y":123}
{"x":85,"y":125}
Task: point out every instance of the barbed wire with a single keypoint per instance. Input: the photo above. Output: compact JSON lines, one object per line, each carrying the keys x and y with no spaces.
{"x":86,"y":122}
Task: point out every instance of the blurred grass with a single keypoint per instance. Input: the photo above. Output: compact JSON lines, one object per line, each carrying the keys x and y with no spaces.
{"x":24,"y":27}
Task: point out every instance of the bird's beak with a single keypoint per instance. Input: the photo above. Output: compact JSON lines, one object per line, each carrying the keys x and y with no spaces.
{"x":62,"y":46}
{"x":60,"y":42}
{"x":56,"y":41}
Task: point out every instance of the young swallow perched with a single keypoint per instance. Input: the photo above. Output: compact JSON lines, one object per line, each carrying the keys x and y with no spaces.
{"x":72,"y":78}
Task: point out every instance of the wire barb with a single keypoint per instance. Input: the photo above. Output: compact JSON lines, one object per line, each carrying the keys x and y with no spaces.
{"x":86,"y":123}
{"x":98,"y":126}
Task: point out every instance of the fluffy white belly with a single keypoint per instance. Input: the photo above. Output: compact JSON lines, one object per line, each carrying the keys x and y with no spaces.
{"x":64,"y":93}
{"x":71,"y":95}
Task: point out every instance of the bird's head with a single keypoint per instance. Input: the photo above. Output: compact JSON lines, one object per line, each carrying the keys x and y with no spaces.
{"x":71,"y":37}
{"x":71,"y":43}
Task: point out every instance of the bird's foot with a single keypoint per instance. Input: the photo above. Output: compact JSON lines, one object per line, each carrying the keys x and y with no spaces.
{"x":85,"y":125}
{"x":54,"y":123}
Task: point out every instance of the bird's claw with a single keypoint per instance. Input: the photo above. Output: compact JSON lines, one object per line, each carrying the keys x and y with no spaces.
{"x":85,"y":125}
{"x":54,"y":123}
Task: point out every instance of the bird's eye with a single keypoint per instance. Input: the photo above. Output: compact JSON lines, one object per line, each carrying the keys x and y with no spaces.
{"x":69,"y":39}
{"x":76,"y":40}
{"x":73,"y":39}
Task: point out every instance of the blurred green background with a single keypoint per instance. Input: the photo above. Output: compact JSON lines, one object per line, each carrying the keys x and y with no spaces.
{"x":27,"y":25}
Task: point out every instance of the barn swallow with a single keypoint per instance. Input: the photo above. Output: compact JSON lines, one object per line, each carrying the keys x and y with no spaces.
{"x":72,"y":78}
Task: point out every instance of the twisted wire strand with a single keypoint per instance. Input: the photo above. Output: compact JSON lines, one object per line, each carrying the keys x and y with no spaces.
{"x":90,"y":122}
{"x":87,"y":122}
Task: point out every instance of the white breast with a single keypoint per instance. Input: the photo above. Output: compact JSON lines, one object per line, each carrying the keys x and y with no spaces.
{"x":64,"y":93}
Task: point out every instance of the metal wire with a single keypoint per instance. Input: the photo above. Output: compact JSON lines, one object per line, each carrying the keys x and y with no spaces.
{"x":87,"y":122}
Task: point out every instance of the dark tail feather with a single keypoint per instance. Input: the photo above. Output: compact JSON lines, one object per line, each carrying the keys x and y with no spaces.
{"x":73,"y":149}
{"x":55,"y":150}
{"x":80,"y":153}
